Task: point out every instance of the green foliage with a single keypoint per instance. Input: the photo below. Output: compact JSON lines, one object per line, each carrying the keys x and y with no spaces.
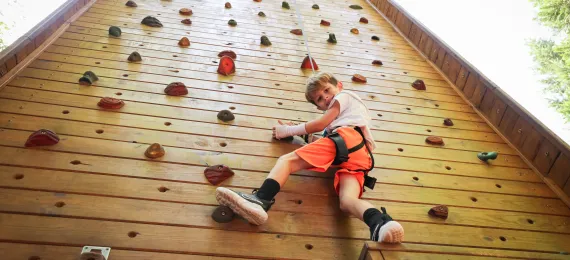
{"x":3,"y":27}
{"x":553,"y":58}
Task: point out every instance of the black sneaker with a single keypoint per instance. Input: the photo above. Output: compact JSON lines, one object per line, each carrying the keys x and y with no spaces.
{"x":249,"y":206}
{"x":387,"y":231}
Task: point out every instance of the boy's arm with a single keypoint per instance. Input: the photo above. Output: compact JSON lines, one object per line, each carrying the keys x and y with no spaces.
{"x":312,"y":126}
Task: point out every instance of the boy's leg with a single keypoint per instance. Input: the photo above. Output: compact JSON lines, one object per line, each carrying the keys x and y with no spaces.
{"x":382,"y":227}
{"x":254,"y":207}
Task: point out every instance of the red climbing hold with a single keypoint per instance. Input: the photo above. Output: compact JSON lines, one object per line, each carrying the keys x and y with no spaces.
{"x":184,"y":42}
{"x":419,"y":84}
{"x":228,"y":53}
{"x":434,"y":140}
{"x":186,"y":21}
{"x":325,"y":23}
{"x":440,"y":211}
{"x":176,"y":89}
{"x":218,"y":173}
{"x":42,"y":137}
{"x":377,"y":62}
{"x":185,"y":11}
{"x":363,"y":20}
{"x":358,"y":78}
{"x":307,"y":63}
{"x":226,"y":66}
{"x":297,"y":31}
{"x":228,"y":5}
{"x":110,"y":103}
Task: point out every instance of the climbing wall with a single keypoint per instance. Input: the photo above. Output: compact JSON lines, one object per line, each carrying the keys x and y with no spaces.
{"x":123,"y":162}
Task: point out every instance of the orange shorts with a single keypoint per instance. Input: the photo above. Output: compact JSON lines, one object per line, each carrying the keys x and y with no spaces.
{"x":321,"y":154}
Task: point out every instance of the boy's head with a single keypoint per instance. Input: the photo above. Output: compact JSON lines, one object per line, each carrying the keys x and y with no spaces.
{"x":321,"y":89}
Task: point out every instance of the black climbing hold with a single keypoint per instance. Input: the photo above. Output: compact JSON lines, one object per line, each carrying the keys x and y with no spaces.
{"x":265,"y":41}
{"x":88,"y":78}
{"x":232,"y":22}
{"x":223,"y":214}
{"x":332,"y":38}
{"x":315,"y":6}
{"x":262,"y":14}
{"x":226,"y":115}
{"x":151,"y":21}
{"x":134,"y":57}
{"x":131,"y":4}
{"x":115,"y":31}
{"x":285,"y":5}
{"x":375,"y":38}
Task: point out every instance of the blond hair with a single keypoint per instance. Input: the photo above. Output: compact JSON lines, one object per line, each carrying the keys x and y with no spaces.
{"x":318,"y":82}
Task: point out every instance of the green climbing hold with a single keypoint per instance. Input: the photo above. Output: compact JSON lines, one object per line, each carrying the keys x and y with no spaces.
{"x":262,"y":14}
{"x":316,"y":6}
{"x":265,"y":41}
{"x":232,"y":22}
{"x":285,"y":5}
{"x":375,"y":38}
{"x":115,"y":31}
{"x":484,"y":156}
{"x":332,"y":38}
{"x":88,"y":78}
{"x":356,"y":7}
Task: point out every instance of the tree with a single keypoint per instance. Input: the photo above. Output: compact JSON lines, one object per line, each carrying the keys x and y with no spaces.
{"x":553,"y":58}
{"x":2,"y":28}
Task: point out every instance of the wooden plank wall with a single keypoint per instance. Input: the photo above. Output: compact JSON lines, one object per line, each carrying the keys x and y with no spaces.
{"x":26,"y":44}
{"x":547,"y":153}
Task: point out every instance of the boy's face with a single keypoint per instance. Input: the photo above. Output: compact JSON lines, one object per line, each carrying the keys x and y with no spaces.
{"x":324,"y":96}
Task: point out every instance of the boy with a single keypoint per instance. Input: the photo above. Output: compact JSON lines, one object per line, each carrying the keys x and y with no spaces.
{"x":346,"y":116}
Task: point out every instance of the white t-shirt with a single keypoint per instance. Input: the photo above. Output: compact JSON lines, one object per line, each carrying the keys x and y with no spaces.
{"x":353,"y":112}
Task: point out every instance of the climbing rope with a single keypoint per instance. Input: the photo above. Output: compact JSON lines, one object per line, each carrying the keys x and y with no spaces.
{"x":304,"y":35}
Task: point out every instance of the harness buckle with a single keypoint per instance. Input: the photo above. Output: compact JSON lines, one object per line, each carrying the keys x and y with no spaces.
{"x":369,"y":181}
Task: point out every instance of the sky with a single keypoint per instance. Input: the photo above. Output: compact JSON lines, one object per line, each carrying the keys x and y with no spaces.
{"x":492,"y":35}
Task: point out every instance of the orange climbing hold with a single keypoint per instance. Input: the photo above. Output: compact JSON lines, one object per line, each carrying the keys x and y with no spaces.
{"x":226,"y":66}
{"x":154,"y":151}
{"x":358,"y":78}
{"x":307,"y":63}
{"x":228,"y":53}
{"x":110,"y":103}
{"x":185,"y":11}
{"x":434,"y":140}
{"x":184,"y":42}
{"x":419,"y":84}
{"x":297,"y":31}
{"x":354,"y":30}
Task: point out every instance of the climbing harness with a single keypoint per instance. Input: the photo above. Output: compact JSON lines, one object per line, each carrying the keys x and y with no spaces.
{"x":342,"y":152}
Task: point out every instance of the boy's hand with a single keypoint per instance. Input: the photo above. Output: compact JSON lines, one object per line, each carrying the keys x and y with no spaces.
{"x":287,"y":129}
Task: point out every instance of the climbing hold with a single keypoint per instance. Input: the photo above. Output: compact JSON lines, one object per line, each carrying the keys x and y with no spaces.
{"x":448,"y":122}
{"x":358,"y":78}
{"x":325,"y":23}
{"x":186,"y":21}
{"x":223,"y":214}
{"x":228,"y":5}
{"x":42,"y":137}
{"x":363,"y":20}
{"x":262,"y":14}
{"x":484,"y":156}
{"x":218,"y":173}
{"x":89,"y":256}
{"x":88,"y":78}
{"x":285,"y":5}
{"x":307,"y":63}
{"x":439,"y":211}
{"x":354,"y":30}
{"x":265,"y":41}
{"x":131,"y":4}
{"x":154,"y":151}
{"x":375,"y":38}
{"x":356,"y":7}
{"x":134,"y":57}
{"x":151,"y":21}
{"x":434,"y":140}
{"x":176,"y":89}
{"x":377,"y":62}
{"x":110,"y":103}
{"x":226,"y":66}
{"x":232,"y":22}
{"x":184,"y":42}
{"x":316,"y":6}
{"x":419,"y":84}
{"x":185,"y":11}
{"x":115,"y":31}
{"x":297,"y":31}
{"x":228,"y":53}
{"x":257,"y":1}
{"x":332,"y":38}
{"x":226,"y":115}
